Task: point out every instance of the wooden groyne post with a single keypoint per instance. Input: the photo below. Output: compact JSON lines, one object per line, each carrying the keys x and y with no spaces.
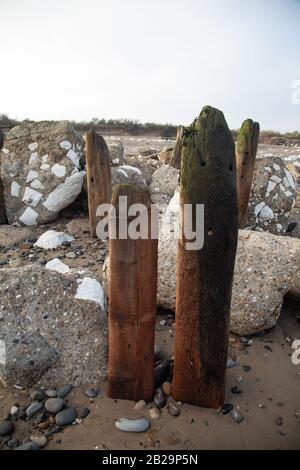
{"x":98,"y":176}
{"x":132,"y":302}
{"x":246,"y":148}
{"x":204,"y":276}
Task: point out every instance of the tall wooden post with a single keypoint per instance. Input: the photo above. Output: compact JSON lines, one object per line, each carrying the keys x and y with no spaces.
{"x":98,"y":176}
{"x":204,"y":276}
{"x":176,"y":156}
{"x":132,"y":304}
{"x":246,"y":149}
{"x":3,"y":219}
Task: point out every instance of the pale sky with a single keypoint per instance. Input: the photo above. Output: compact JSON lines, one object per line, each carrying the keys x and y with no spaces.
{"x":151,"y":60}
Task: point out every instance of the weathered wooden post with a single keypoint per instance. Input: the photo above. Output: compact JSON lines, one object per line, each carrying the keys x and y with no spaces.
{"x":98,"y":176}
{"x":132,"y":301}
{"x":204,"y":276}
{"x":176,"y":156}
{"x":3,"y":219}
{"x":246,"y":148}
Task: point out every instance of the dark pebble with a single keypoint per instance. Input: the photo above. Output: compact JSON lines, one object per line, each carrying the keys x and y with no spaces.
{"x":65,"y":417}
{"x":162,"y":372}
{"x":160,"y":398}
{"x":158,"y":353}
{"x":38,"y":395}
{"x":83,"y":413}
{"x":33,"y":409}
{"x":6,"y":427}
{"x":54,"y":405}
{"x":64,"y":391}
{"x":236,"y":391}
{"x":13,"y":443}
{"x":226,"y":408}
{"x":246,"y":368}
{"x":173,"y":409}
{"x":91,"y":392}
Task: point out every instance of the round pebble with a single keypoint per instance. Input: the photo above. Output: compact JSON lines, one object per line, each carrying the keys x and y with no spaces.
{"x":91,"y":392}
{"x":51,"y":393}
{"x":13,"y":443}
{"x":6,"y":427}
{"x":38,"y":395}
{"x":65,"y":417}
{"x":65,"y":390}
{"x":14,"y":410}
{"x":33,"y":409}
{"x":154,"y":413}
{"x":132,"y":425}
{"x":167,"y":388}
{"x":140,"y":405}
{"x":160,"y":399}
{"x":84,"y":412}
{"x":173,"y":409}
{"x":226,"y":408}
{"x":39,"y":439}
{"x":235,"y":415}
{"x":71,"y":255}
{"x":26,"y":446}
{"x":54,"y":405}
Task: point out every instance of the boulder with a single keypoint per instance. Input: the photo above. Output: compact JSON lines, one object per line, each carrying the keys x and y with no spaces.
{"x":53,"y":327}
{"x":40,"y":171}
{"x":273,"y":196}
{"x":147,"y":166}
{"x":267,"y":268}
{"x":127,"y":174}
{"x":11,"y":235}
{"x":163,"y":184}
{"x":116,"y":151}
{"x":166,"y":154}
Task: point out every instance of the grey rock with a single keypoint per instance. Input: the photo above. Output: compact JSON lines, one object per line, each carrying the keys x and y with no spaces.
{"x":39,"y":439}
{"x":52,"y":347}
{"x":132,"y":425}
{"x":54,"y":405}
{"x":33,"y":409}
{"x":163,"y":185}
{"x":26,"y":446}
{"x":116,"y":151}
{"x":127,"y":174}
{"x":6,"y":427}
{"x":65,"y":417}
{"x":83,"y":412}
{"x":51,"y":393}
{"x":13,"y":443}
{"x":173,"y":409}
{"x":65,"y":390}
{"x":40,"y":171}
{"x":91,"y":392}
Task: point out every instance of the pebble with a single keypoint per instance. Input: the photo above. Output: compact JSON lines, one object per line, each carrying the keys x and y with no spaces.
{"x":39,"y":439}
{"x":246,"y":368}
{"x":167,"y":388}
{"x":33,"y":409}
{"x":38,"y":395}
{"x":140,"y":405}
{"x":230,"y":363}
{"x":158,"y":352}
{"x":71,"y":254}
{"x":83,"y":412}
{"x":64,"y":391}
{"x":154,"y":413}
{"x":54,"y":405}
{"x":235,"y":415}
{"x":162,"y":322}
{"x":53,"y":431}
{"x":14,"y":410}
{"x":51,"y":393}
{"x":132,"y":425}
{"x":162,"y":372}
{"x":13,"y":443}
{"x":159,"y":398}
{"x":236,"y":390}
{"x":44,"y":425}
{"x":173,"y":410}
{"x":6,"y":427}
{"x":226,"y":408}
{"x":65,"y":417}
{"x":91,"y":392}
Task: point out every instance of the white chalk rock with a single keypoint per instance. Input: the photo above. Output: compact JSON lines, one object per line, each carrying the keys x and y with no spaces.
{"x":52,"y":239}
{"x":56,"y":265}
{"x":91,"y":289}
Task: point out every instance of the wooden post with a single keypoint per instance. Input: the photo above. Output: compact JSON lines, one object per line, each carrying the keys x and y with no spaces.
{"x":204,"y":276}
{"x":176,"y":156}
{"x":246,"y":149}
{"x":132,"y":305}
{"x":98,"y":176}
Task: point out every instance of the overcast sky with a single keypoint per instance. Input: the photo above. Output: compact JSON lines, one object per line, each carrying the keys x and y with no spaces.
{"x":151,"y":60}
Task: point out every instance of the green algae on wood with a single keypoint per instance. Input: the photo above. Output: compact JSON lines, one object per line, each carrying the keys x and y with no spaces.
{"x":204,"y":276}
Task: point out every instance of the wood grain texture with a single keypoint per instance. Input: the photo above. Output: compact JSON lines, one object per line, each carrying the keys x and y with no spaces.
{"x":204,"y":277}
{"x":176,"y":156}
{"x":3,"y":219}
{"x":246,"y":149}
{"x":98,"y":176}
{"x":132,"y":307}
